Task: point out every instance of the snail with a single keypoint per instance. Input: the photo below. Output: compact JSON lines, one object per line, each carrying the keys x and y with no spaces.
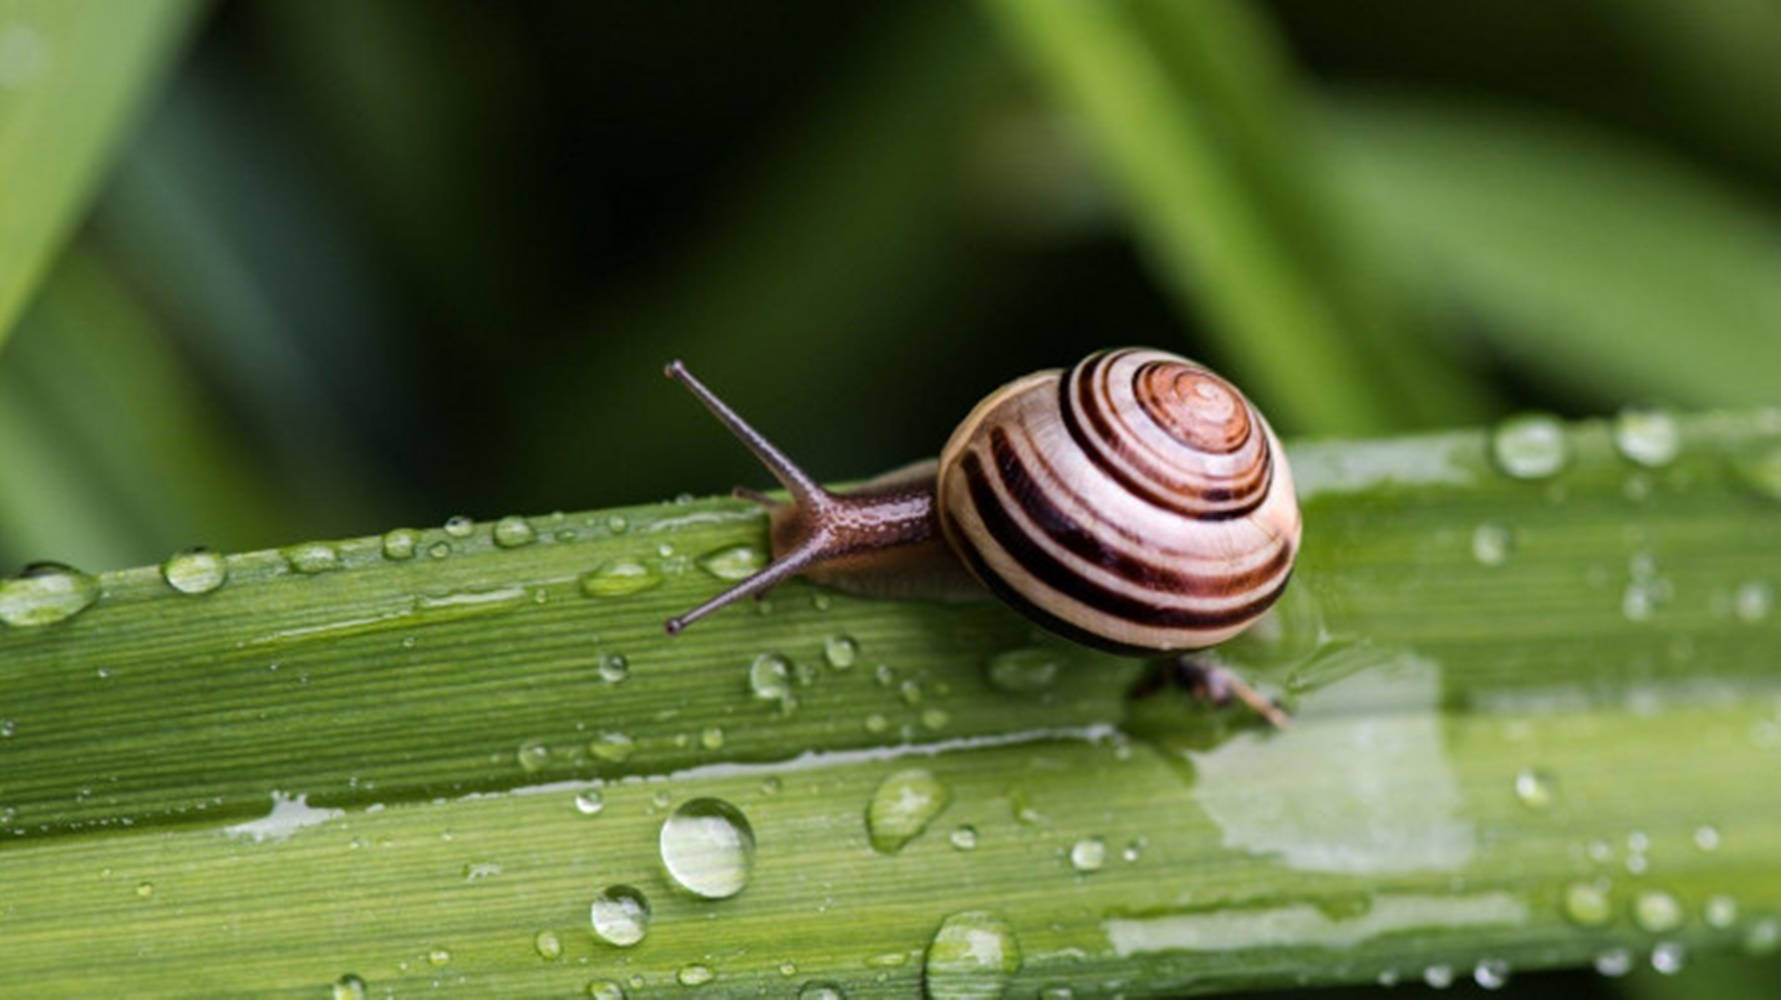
{"x":1136,"y":502}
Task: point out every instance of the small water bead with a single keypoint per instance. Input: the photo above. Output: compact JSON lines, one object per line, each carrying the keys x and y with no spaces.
{"x":660,"y":798}
{"x":145,"y":889}
{"x":1534,"y":788}
{"x":876,"y":723}
{"x":1720,"y":912}
{"x":46,"y":593}
{"x":711,"y":738}
{"x":840,"y":651}
{"x":1491,"y":973}
{"x":620,"y":915}
{"x":1648,"y":437}
{"x":1657,"y":911}
{"x":590,"y":802}
{"x":312,"y":557}
{"x":1024,"y":671}
{"x":1490,"y":544}
{"x":972,"y":956}
{"x":618,"y":524}
{"x":605,"y":989}
{"x":400,"y":543}
{"x":1088,"y":854}
{"x":459,"y":526}
{"x":1586,"y":904}
{"x":695,"y":974}
{"x":614,"y":667}
{"x":195,"y":571}
{"x":902,"y":806}
{"x":533,"y":756}
{"x":770,"y":677}
{"x":820,"y":991}
{"x":1667,"y":958}
{"x":1132,"y":852}
{"x":733,"y":562}
{"x":1706,"y":838}
{"x":438,"y":956}
{"x":1614,"y":962}
{"x":438,"y":550}
{"x":1530,"y":447}
{"x":613,"y":748}
{"x":548,"y":946}
{"x":1438,"y":976}
{"x":707,"y":846}
{"x":964,"y":837}
{"x":788,"y":968}
{"x":935,"y":718}
{"x":7,"y":728}
{"x":1753,"y":601}
{"x":349,"y":987}
{"x":821,"y":601}
{"x":771,"y":785}
{"x":619,"y":578}
{"x":513,"y":531}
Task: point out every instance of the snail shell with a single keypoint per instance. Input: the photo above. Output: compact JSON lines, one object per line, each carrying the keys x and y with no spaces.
{"x":1136,"y":501}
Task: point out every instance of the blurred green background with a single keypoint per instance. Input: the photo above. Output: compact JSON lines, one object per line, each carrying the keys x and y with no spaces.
{"x":328,"y":267}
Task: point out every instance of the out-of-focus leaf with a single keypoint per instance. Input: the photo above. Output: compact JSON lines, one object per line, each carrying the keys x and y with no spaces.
{"x":1601,"y":264}
{"x":70,"y":73}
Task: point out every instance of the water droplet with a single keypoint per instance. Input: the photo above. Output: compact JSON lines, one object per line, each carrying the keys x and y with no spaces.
{"x":876,"y":723}
{"x":195,"y":571}
{"x":1762,"y":937}
{"x":910,"y":692}
{"x":770,"y":785}
{"x":1534,"y":788}
{"x":1706,"y":838}
{"x":1024,"y":671}
{"x":1491,"y":973}
{"x":349,"y":987}
{"x":548,"y":945}
{"x":708,"y":848}
{"x":1021,"y":805}
{"x":618,"y":524}
{"x":1133,"y":851}
{"x":711,"y":738}
{"x":400,"y":543}
{"x":145,"y":889}
{"x":694,"y":974}
{"x":1438,"y":976}
{"x":590,"y":802}
{"x":1057,"y":993}
{"x":935,"y":718}
{"x":1648,"y":437}
{"x":605,"y":989}
{"x":620,"y":915}
{"x":312,"y":557}
{"x":533,"y":755}
{"x":1614,"y":962}
{"x":613,"y":748}
{"x":964,"y":837}
{"x":459,"y":526}
{"x":46,"y":593}
{"x":1529,"y":447}
{"x":1657,"y":911}
{"x":1490,"y":544}
{"x":618,"y":578}
{"x":1587,"y":905}
{"x":1753,"y":601}
{"x":972,"y":957}
{"x":438,"y":956}
{"x":770,"y":677}
{"x":1668,"y":956}
{"x":820,"y":991}
{"x":614,"y":667}
{"x":1088,"y":854}
{"x":840,"y":651}
{"x":513,"y":531}
{"x":439,"y":550}
{"x":902,"y":806}
{"x":1720,"y":911}
{"x":733,"y":562}
{"x":7,"y":728}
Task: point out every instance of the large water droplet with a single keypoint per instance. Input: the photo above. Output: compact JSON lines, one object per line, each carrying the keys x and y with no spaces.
{"x":617,"y":578}
{"x":1088,"y":854}
{"x":733,"y":562}
{"x":902,"y":806}
{"x":972,"y":957}
{"x":312,"y":557}
{"x":695,"y":974}
{"x":1529,"y":447}
{"x":46,"y":593}
{"x":195,"y":571}
{"x":840,"y":651}
{"x":1024,"y":671}
{"x":513,"y":531}
{"x":620,"y":915}
{"x":1648,"y":437}
{"x":1586,"y":904}
{"x":1657,"y":911}
{"x":400,"y":543}
{"x":708,"y":848}
{"x":349,"y":987}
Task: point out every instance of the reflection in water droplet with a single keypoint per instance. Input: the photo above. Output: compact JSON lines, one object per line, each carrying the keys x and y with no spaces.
{"x":1614,"y":962}
{"x":548,"y":945}
{"x":620,"y":915}
{"x":1657,"y":911}
{"x":840,"y":651}
{"x":1088,"y":854}
{"x":1534,"y":788}
{"x":972,"y":956}
{"x":733,"y":562}
{"x":513,"y":531}
{"x":1668,"y":956}
{"x":349,"y":987}
{"x":1491,"y":973}
{"x":196,"y":571}
{"x":1529,"y":447}
{"x":821,"y":991}
{"x":1024,"y":671}
{"x":46,"y":593}
{"x":618,"y":578}
{"x":707,"y":846}
{"x":1490,"y":544}
{"x":533,"y":755}
{"x":695,"y":974}
{"x":1648,"y":437}
{"x":605,"y":989}
{"x":964,"y":837}
{"x":400,"y":543}
{"x":1586,"y":904}
{"x":590,"y":802}
{"x":613,"y":748}
{"x":459,"y":526}
{"x":902,"y":806}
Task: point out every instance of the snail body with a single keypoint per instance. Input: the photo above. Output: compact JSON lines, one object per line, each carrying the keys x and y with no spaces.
{"x":1135,"y":501}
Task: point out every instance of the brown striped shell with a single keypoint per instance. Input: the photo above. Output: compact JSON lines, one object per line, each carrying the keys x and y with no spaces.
{"x":1136,"y":501}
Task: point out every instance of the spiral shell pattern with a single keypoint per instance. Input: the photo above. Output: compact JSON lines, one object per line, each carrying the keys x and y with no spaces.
{"x":1135,"y":502}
